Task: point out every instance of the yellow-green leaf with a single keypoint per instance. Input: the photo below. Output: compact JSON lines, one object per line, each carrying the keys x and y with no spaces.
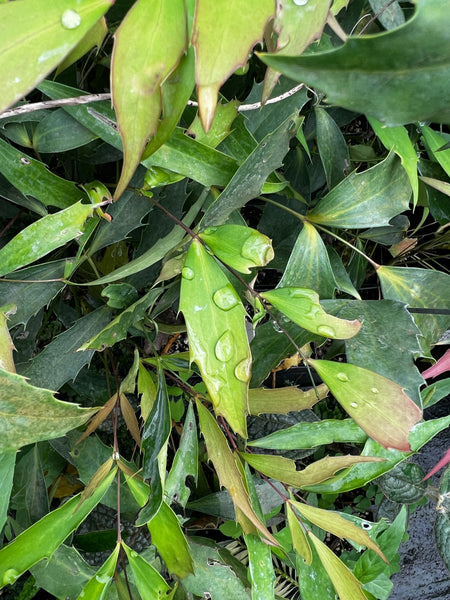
{"x":36,"y":36}
{"x":299,"y":539}
{"x":218,"y":341}
{"x":148,"y":46}
{"x":435,"y":142}
{"x":379,"y":405}
{"x":150,"y":583}
{"x":302,"y":306}
{"x":6,"y":344}
{"x":345,"y":583}
{"x":94,"y":37}
{"x":223,"y":35}
{"x":284,"y":400}
{"x":97,"y":587}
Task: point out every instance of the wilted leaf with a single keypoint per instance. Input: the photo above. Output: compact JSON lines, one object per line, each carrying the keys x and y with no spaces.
{"x":150,"y":583}
{"x":357,"y":75}
{"x":376,"y":403}
{"x":284,"y":400}
{"x":223,"y":35}
{"x":30,"y":414}
{"x":130,"y":418}
{"x":218,"y":340}
{"x":34,"y":41}
{"x":302,"y":306}
{"x":240,"y":247}
{"x":99,"y":417}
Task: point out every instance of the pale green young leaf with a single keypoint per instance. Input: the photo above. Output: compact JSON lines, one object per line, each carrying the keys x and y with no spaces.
{"x":30,"y":414}
{"x":148,"y":46}
{"x":150,"y":583}
{"x":299,"y":539}
{"x":367,"y":199}
{"x":379,"y":406}
{"x":97,"y":587}
{"x":398,"y":140}
{"x":34,"y":41}
{"x":220,"y":25}
{"x":220,"y":128}
{"x":441,"y":186}
{"x":215,"y":321}
{"x":43,"y":236}
{"x":435,"y":142}
{"x":357,"y":74}
{"x":302,"y":307}
{"x":345,"y":583}
{"x":43,"y":538}
{"x":284,"y":400}
{"x":240,"y":247}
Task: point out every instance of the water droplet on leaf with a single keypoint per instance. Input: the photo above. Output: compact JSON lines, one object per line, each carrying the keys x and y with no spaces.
{"x":187,"y":273}
{"x":224,"y":348}
{"x":102,"y":578}
{"x":10,"y":576}
{"x":300,"y":2}
{"x":342,"y":377}
{"x":243,"y":370}
{"x":354,"y":404}
{"x":277,"y":327}
{"x":374,"y":390}
{"x":326,"y":331}
{"x":70,"y":19}
{"x":226,"y":298}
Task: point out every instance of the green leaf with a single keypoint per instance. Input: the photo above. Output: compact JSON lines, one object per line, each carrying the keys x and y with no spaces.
{"x":284,"y":400}
{"x":94,"y":37}
{"x":397,"y":140}
{"x":240,"y":247}
{"x":299,"y":539}
{"x":6,"y":344}
{"x":390,"y":15}
{"x":238,"y":31}
{"x":44,"y":537}
{"x":442,"y":523}
{"x":220,"y":128}
{"x":31,"y":414}
{"x":167,"y":536}
{"x":341,"y":276}
{"x":261,"y":571}
{"x":59,"y":132}
{"x":148,"y":46}
{"x":284,"y":469}
{"x":34,"y":41}
{"x":149,"y":582}
{"x":218,"y":340}
{"x":419,"y":288}
{"x":379,"y":406}
{"x":97,"y":587}
{"x":332,"y":147}
{"x":248,"y":180}
{"x":229,"y":474}
{"x":185,"y":462}
{"x":440,"y":186}
{"x":43,"y":236}
{"x":7,"y":463}
{"x":308,"y":265}
{"x":303,"y":308}
{"x":59,"y":361}
{"x":435,"y":142}
{"x":345,"y":583}
{"x":313,"y":580}
{"x":32,"y":178}
{"x":309,"y":435}
{"x":404,"y":483}
{"x":368,"y":199}
{"x":357,"y":75}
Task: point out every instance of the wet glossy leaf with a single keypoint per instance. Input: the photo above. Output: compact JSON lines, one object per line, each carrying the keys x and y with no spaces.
{"x":59,"y":132}
{"x":149,"y":582}
{"x":341,"y":276}
{"x":249,"y":179}
{"x":404,"y":483}
{"x":284,"y":400}
{"x":309,"y":265}
{"x":367,"y":199}
{"x":441,"y":366}
{"x":309,"y":435}
{"x":299,"y":539}
{"x":435,"y":143}
{"x":31,"y":414}
{"x":59,"y":361}
{"x":97,"y":587}
{"x":43,"y":236}
{"x":332,"y":147}
{"x":419,"y":288}
{"x":218,"y":340}
{"x":261,"y":571}
{"x":302,"y":307}
{"x":94,"y":37}
{"x":356,"y":75}
{"x":398,"y":140}
{"x":313,"y":580}
{"x":238,"y":30}
{"x":32,"y":178}
{"x":295,"y":26}
{"x":228,"y":472}
{"x":376,"y":403}
{"x":345,"y":583}
{"x":34,"y":41}
{"x":242,"y":248}
{"x":44,"y":537}
{"x":284,"y":469}
{"x":148,"y":46}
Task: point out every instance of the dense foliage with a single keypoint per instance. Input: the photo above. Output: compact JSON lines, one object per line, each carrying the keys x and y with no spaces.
{"x":222,"y":256}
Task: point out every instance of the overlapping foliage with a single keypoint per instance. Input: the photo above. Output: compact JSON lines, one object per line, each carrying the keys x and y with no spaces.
{"x":170,"y":245}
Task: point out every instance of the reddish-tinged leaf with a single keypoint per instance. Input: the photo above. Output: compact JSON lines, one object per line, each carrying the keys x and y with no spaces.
{"x":442,"y":365}
{"x":376,"y":403}
{"x":444,"y":461}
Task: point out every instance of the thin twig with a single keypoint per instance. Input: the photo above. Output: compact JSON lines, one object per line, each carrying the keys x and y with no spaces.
{"x":375,"y":17}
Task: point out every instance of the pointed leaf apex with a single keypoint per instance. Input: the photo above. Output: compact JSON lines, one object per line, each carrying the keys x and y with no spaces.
{"x":207,"y":101}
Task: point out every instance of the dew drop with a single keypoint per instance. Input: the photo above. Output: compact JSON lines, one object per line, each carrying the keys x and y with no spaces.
{"x":243,"y":370}
{"x":300,"y":2}
{"x":354,"y":404}
{"x":277,"y":327}
{"x":342,"y":377}
{"x":70,"y":19}
{"x":374,"y":390}
{"x":103,"y":578}
{"x":326,"y":331}
{"x":366,"y":525}
{"x":187,"y":273}
{"x":10,"y":576}
{"x":226,"y":298}
{"x":224,"y":348}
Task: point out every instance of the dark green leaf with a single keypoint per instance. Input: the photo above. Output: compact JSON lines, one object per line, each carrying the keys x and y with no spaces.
{"x":7,"y":462}
{"x":404,"y":483}
{"x":59,"y":132}
{"x":333,"y":149}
